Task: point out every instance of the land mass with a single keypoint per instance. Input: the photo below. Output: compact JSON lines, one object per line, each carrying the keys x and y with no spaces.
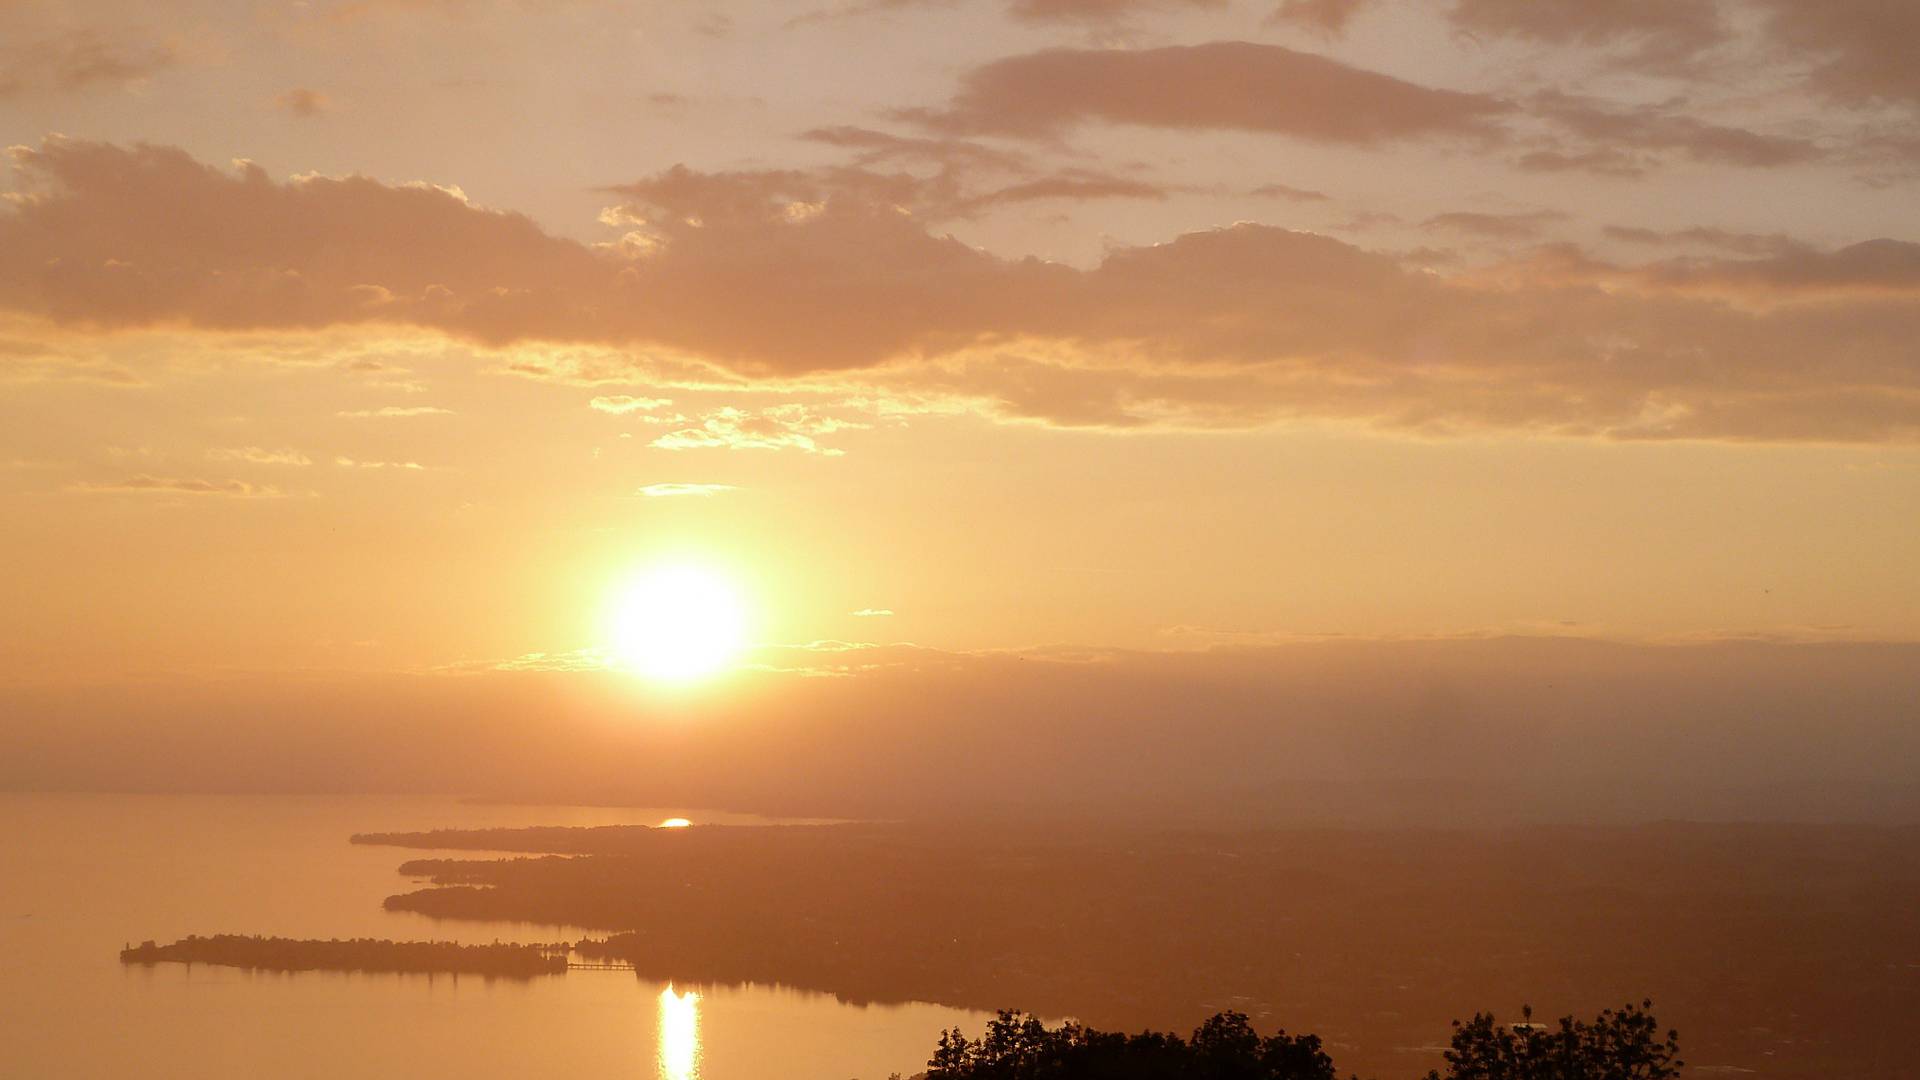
{"x":1788,"y":950}
{"x":356,"y":954}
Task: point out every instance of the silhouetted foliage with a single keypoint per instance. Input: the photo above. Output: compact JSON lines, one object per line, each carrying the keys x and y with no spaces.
{"x":1019,"y":1047}
{"x":1620,"y":1044}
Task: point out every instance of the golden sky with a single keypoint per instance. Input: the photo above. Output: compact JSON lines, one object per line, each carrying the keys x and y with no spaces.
{"x":390,"y":335}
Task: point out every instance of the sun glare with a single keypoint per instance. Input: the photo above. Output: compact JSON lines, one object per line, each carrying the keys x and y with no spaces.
{"x":678,"y":624}
{"x":674,"y":823}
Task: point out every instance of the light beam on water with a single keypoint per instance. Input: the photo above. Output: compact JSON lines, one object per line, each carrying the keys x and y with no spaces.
{"x":679,"y":1035}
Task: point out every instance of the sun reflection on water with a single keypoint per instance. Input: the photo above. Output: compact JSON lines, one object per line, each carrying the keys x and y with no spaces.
{"x":679,"y":1035}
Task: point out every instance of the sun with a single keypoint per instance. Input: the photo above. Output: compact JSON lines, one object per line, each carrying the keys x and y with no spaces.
{"x":677,"y":624}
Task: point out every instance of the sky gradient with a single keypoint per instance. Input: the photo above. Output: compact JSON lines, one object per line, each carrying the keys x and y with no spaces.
{"x":387,"y":337}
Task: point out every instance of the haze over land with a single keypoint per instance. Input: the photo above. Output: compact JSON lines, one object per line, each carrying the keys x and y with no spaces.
{"x":1499,"y":731}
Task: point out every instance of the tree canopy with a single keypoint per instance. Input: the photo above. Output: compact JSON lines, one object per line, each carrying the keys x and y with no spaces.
{"x":1619,"y":1044}
{"x":1017,"y":1046}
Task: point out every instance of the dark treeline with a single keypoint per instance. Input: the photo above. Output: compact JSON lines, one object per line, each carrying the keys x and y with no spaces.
{"x":1619,"y":1044}
{"x":1791,"y":950}
{"x":356,"y":954}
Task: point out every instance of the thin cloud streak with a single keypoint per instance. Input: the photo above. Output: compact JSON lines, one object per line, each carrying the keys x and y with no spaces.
{"x":144,"y":484}
{"x":679,"y":490}
{"x":395,"y":412}
{"x":254,"y":455}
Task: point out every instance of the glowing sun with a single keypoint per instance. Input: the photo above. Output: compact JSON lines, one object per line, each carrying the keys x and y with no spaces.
{"x":677,"y":624}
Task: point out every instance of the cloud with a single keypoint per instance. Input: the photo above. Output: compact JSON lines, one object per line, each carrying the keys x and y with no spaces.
{"x":1653,"y":127}
{"x":847,"y":283}
{"x":1325,"y":16}
{"x":968,"y":180}
{"x":1228,"y":85}
{"x":355,"y":463}
{"x":1520,"y":226}
{"x":869,"y":613}
{"x":824,"y":282}
{"x":873,"y":147}
{"x":1737,"y":243}
{"x":1090,"y":12}
{"x":104,"y":236}
{"x":254,"y":455}
{"x":1290,"y":194}
{"x":1797,"y":279}
{"x":1853,"y":51}
{"x":577,"y":660}
{"x":395,"y":412}
{"x":589,"y":364}
{"x":1662,"y":32}
{"x":1076,"y":184}
{"x":621,"y":404}
{"x":1097,"y":10}
{"x":74,"y":60}
{"x":22,"y":362}
{"x":143,"y":484}
{"x":674,"y":490}
{"x":1862,"y":49}
{"x":303,"y":102}
{"x":781,"y":427}
{"x":1884,"y":268}
{"x":1599,"y":161}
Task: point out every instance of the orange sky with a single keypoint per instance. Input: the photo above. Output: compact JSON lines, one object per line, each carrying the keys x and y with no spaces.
{"x":389,"y":335}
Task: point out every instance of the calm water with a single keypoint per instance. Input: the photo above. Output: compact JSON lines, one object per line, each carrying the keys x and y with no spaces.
{"x":82,"y":875}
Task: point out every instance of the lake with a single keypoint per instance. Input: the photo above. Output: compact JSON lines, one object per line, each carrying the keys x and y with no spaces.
{"x":81,"y":875}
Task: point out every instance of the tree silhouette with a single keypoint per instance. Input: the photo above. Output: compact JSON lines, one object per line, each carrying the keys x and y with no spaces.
{"x":1017,"y":1046}
{"x":1620,"y":1044}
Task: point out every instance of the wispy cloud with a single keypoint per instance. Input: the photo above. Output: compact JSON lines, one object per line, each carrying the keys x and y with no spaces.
{"x":585,"y":659}
{"x":1516,"y":226}
{"x":1289,"y":193}
{"x":782,"y":427}
{"x":22,"y":363}
{"x":143,"y":484}
{"x":303,"y":102}
{"x":78,"y":60}
{"x":396,"y":411}
{"x":256,"y":455}
{"x":667,"y":491}
{"x":621,"y":404}
{"x":356,"y":463}
{"x":868,"y":612}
